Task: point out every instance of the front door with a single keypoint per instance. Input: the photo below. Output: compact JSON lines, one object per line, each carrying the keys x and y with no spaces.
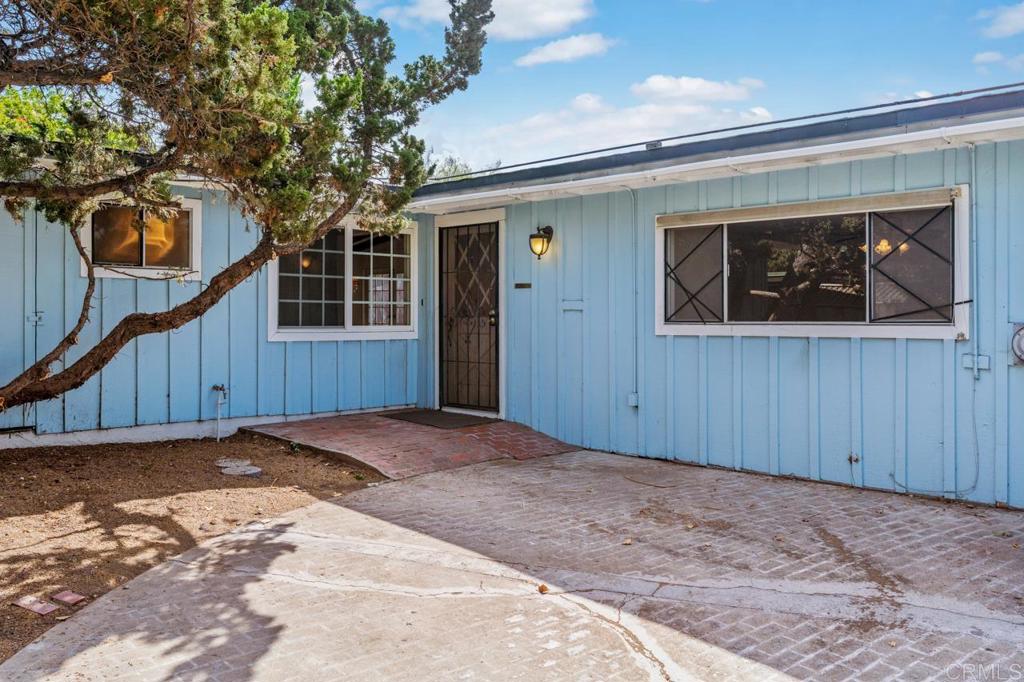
{"x":469,"y":317}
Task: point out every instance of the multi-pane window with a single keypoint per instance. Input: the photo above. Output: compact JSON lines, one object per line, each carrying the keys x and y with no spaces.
{"x":127,"y":236}
{"x":381,"y":279}
{"x":871,"y":267}
{"x":311,"y":285}
{"x":350,"y":279}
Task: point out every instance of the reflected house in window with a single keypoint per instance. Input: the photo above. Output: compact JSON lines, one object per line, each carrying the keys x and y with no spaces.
{"x":349,"y":281}
{"x":813,"y":269}
{"x":141,"y":238}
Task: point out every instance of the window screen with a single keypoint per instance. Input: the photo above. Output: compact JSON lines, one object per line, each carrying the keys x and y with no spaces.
{"x":693,"y":274}
{"x":874,"y":267}
{"x":912,"y":265}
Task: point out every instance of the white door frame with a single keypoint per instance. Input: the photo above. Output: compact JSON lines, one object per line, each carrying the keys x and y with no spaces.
{"x":495,"y":215}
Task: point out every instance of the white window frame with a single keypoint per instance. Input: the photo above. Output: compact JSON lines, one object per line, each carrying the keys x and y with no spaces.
{"x":959,"y":329}
{"x":351,"y":332}
{"x":193,"y":273}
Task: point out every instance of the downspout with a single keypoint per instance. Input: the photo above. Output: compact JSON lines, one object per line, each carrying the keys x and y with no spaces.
{"x":975,"y":342}
{"x":634,"y":396}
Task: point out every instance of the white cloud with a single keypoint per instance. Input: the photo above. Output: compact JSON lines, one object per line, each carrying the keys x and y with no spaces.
{"x":567,"y":49}
{"x":923,"y":94}
{"x":589,"y":103}
{"x":513,"y":19}
{"x":1004,"y":21}
{"x":983,"y":60}
{"x":585,"y":122}
{"x":694,"y":89}
{"x":990,"y":57}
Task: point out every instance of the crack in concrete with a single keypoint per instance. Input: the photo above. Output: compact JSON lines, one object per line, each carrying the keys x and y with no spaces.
{"x":636,"y":643}
{"x":847,"y":601}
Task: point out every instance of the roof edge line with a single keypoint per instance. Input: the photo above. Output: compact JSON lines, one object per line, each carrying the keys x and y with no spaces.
{"x":735,"y":164}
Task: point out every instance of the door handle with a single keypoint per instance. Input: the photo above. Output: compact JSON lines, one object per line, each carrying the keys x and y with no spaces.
{"x":492,"y":318}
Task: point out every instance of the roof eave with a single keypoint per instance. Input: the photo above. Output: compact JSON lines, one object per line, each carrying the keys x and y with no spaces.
{"x":946,"y":137}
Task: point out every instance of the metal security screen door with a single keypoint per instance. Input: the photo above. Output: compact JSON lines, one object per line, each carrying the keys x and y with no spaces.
{"x":469,"y":317}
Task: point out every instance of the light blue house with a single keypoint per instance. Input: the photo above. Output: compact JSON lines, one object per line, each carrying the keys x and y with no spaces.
{"x":834,"y":300}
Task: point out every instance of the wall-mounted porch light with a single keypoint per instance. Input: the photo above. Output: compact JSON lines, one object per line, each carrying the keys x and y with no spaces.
{"x":540,"y":241}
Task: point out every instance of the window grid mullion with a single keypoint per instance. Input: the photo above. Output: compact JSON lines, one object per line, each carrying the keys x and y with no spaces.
{"x":869,"y":273}
{"x":349,"y":286}
{"x":725,"y":272}
{"x":142,"y":238}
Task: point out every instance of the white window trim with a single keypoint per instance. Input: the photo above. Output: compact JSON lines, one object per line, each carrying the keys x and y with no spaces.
{"x":191,"y":274}
{"x":958,"y":330}
{"x":364,"y":333}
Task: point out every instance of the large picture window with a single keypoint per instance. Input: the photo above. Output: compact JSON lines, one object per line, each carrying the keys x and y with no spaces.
{"x":350,"y":282}
{"x":895,"y":266}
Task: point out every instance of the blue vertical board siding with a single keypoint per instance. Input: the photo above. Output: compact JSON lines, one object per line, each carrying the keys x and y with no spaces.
{"x":325,"y":376}
{"x":153,"y":379}
{"x":299,"y":377}
{"x":373,"y":372}
{"x":81,"y":406}
{"x":880,"y":413}
{"x":423,"y":374}
{"x":118,"y":378}
{"x":595,"y":358}
{"x":49,"y":301}
{"x":350,"y":379}
{"x":519,"y":315}
{"x":794,"y":407}
{"x":244,"y":332}
{"x":906,"y":412}
{"x":270,"y":357}
{"x":395,"y":370}
{"x":14,"y":275}
{"x":756,"y":364}
{"x":570,"y":320}
{"x":185,"y":364}
{"x":878,"y":361}
{"x":924,"y":428}
{"x":214,"y":327}
{"x":167,"y":378}
{"x":720,"y":393}
{"x":834,"y":401}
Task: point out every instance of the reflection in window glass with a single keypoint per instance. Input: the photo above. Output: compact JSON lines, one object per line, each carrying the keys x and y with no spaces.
{"x":115,"y":236}
{"x":798,"y":270}
{"x":126,"y":235}
{"x":912,"y":265}
{"x":381,"y":285}
{"x":311,"y":285}
{"x":167,"y":240}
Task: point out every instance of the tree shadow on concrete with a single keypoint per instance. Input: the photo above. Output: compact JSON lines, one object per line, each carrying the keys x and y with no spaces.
{"x":189,"y":617}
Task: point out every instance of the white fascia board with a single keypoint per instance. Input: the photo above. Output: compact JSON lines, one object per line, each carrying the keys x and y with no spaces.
{"x":923,"y":140}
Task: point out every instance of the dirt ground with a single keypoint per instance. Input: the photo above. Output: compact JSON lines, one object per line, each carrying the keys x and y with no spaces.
{"x":90,"y":518}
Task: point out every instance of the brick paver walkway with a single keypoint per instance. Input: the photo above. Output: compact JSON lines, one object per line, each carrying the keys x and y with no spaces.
{"x":655,"y":571}
{"x":400,"y":449}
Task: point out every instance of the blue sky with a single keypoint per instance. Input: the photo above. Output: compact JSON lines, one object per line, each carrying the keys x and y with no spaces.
{"x":569,"y":75}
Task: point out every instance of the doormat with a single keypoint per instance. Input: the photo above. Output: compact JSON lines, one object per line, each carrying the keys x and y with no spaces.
{"x":440,"y":419}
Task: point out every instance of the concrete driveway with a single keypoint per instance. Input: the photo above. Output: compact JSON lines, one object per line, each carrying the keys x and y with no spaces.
{"x":652,"y":571}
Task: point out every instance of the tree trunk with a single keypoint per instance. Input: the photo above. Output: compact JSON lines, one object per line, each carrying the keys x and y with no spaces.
{"x":35,"y":384}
